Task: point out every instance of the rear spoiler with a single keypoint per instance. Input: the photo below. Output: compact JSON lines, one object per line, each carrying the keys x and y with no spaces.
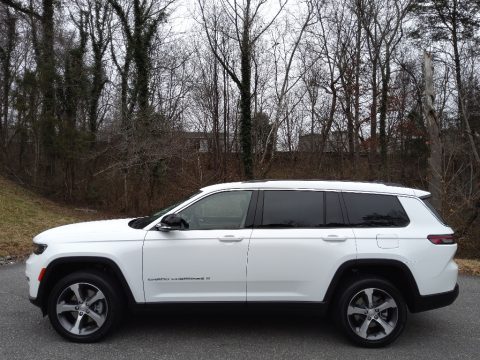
{"x":422,"y":194}
{"x":425,"y":199}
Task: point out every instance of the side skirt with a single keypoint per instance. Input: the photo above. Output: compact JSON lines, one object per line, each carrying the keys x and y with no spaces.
{"x":313,"y":308}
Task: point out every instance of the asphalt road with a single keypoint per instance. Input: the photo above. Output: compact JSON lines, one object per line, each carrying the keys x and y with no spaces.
{"x":449,"y":333}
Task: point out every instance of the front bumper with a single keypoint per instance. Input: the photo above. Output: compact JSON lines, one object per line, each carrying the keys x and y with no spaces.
{"x":35,"y":301}
{"x":434,"y":301}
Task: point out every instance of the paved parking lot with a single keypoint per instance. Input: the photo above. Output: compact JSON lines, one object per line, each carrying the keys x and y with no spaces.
{"x":449,"y":333}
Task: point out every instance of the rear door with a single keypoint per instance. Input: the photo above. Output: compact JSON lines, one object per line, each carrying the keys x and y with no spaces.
{"x":299,"y":240}
{"x":379,"y":222}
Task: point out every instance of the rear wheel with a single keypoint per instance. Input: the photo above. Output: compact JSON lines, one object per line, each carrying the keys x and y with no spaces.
{"x":85,"y":306}
{"x":372,"y":312}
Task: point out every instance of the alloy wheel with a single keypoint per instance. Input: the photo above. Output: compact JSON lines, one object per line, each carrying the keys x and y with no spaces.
{"x":81,"y":309}
{"x":372,"y":314}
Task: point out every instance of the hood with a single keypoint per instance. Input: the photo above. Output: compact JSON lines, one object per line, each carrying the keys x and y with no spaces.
{"x":105,"y":230}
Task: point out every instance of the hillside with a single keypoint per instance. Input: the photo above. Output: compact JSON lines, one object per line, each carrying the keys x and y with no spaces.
{"x":23,"y":214}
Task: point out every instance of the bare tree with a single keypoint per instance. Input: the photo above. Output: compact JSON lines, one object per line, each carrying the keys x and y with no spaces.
{"x":7,"y":45}
{"x":46,"y":68}
{"x":245,"y":30}
{"x":98,"y":19}
{"x":140,"y":21}
{"x":383,"y":24}
{"x":284,"y":82}
{"x":456,"y":22}
{"x":433,"y":126}
{"x":327,"y":49}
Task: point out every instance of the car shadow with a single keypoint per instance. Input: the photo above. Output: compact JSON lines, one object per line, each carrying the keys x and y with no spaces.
{"x":230,"y":323}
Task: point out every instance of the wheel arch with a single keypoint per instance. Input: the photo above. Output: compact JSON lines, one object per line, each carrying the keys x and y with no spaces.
{"x":61,"y":267}
{"x":394,"y":271}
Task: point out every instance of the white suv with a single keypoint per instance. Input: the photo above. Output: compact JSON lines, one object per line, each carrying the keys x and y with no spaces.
{"x":366,"y":252}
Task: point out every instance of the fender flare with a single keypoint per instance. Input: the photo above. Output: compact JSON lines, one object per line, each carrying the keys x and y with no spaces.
{"x":46,"y":283}
{"x":356,"y":266}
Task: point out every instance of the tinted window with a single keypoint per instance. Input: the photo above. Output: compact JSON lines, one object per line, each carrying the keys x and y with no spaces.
{"x":369,"y":210}
{"x":293,"y":209}
{"x":432,"y":209}
{"x":333,"y":210}
{"x":141,"y":222}
{"x":224,"y":210}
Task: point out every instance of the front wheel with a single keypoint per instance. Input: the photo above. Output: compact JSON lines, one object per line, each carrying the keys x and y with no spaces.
{"x":372,"y":312}
{"x":84,"y":306}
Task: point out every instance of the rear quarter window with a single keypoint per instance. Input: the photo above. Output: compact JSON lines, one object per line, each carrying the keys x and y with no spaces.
{"x":426,"y":201}
{"x":374,"y":210}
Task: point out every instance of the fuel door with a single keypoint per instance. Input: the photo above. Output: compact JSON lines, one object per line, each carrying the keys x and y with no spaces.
{"x":387,"y":241}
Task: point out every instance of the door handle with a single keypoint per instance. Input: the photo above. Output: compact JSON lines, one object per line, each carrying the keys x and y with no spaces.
{"x":230,"y":238}
{"x":334,"y":238}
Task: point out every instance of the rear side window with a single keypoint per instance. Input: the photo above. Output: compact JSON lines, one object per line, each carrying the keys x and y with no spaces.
{"x":293,"y":209}
{"x":333,"y":210}
{"x":372,"y":210}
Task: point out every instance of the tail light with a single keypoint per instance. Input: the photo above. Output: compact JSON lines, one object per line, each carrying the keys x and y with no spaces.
{"x":442,"y":239}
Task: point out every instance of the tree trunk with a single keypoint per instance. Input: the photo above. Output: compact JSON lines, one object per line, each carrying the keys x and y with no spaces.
{"x":383,"y":117}
{"x":373,"y":118}
{"x":216,"y":116}
{"x":358,"y":50}
{"x":46,"y":69}
{"x":6,"y":57}
{"x":95,"y":93}
{"x":435,"y":158}
{"x":246,"y":99}
{"x":464,"y":121}
{"x":326,"y":129}
{"x":226,"y":114}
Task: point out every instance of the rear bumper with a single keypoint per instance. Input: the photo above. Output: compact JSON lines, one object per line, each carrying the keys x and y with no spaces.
{"x":434,"y":301}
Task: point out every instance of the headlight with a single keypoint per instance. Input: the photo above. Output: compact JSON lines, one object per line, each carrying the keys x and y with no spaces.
{"x":39,"y":248}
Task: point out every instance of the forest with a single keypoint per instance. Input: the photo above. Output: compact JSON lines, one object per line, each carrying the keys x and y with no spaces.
{"x":130,"y":105}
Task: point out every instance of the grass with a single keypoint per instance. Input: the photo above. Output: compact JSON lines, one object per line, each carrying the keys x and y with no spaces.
{"x":469,"y":266}
{"x":24,"y":214}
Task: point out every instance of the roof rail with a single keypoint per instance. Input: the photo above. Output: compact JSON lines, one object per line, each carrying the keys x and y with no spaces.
{"x":386,"y":183}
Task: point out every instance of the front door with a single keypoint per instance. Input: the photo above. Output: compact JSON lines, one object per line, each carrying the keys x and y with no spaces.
{"x":206,"y":262}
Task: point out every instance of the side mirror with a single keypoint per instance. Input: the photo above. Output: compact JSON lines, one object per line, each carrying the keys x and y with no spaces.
{"x":172,"y":222}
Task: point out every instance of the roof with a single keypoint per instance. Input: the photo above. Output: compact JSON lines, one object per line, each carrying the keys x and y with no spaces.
{"x":373,"y":187}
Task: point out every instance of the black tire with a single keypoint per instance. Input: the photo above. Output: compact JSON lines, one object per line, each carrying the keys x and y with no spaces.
{"x":112,"y":306}
{"x":379,"y":328}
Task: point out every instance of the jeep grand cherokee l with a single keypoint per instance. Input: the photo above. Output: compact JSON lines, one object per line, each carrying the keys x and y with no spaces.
{"x":367,"y":253}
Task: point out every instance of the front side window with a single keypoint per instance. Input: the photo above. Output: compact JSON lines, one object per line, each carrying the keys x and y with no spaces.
{"x":141,"y":222}
{"x":224,"y":210}
{"x":372,"y":210}
{"x":293,"y":209}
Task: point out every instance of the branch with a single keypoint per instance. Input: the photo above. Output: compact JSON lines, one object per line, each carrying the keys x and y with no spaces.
{"x":19,"y":7}
{"x":227,"y":68}
{"x":123,"y":18}
{"x":256,"y":37}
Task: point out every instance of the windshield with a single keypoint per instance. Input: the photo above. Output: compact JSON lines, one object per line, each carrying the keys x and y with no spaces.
{"x":141,"y":222}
